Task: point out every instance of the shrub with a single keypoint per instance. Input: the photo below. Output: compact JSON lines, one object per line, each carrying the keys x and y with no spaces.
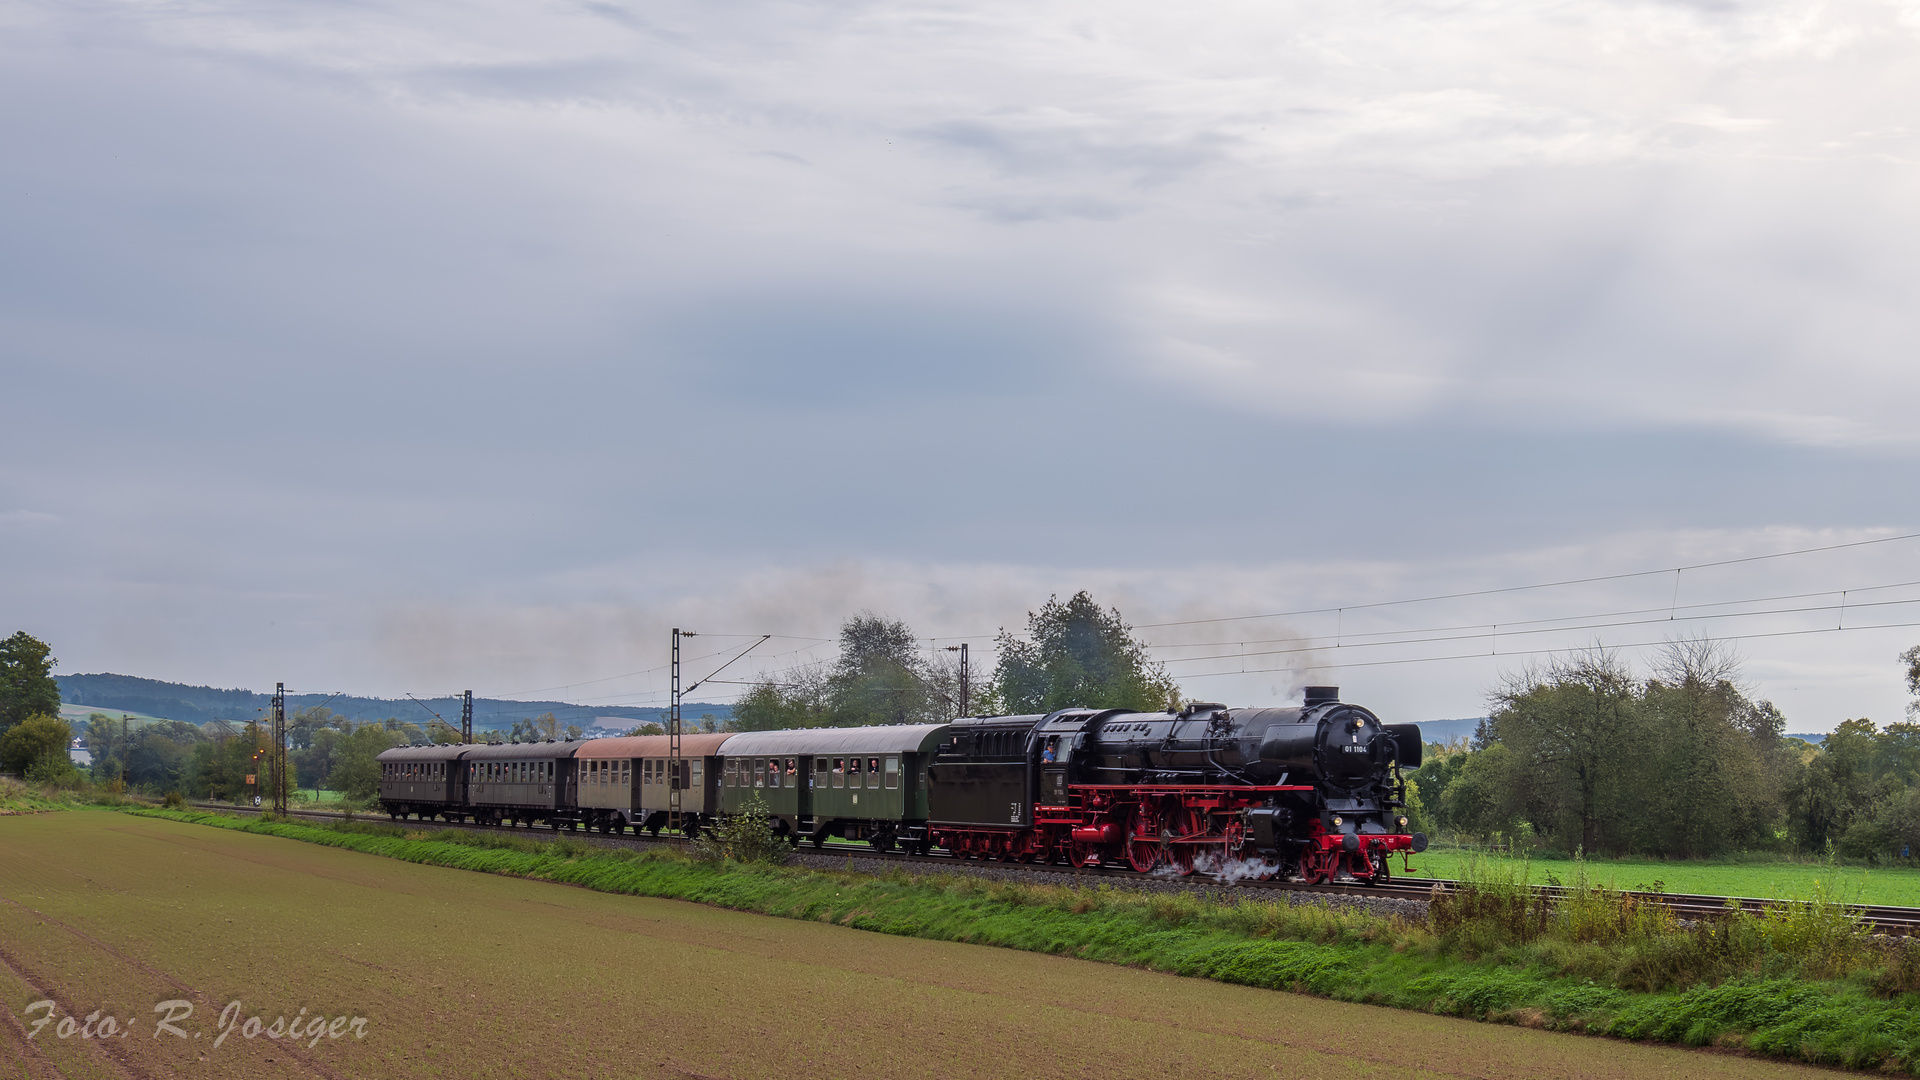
{"x":1822,"y":931}
{"x":745,"y":837}
{"x":1491,"y":905}
{"x":1900,"y":968}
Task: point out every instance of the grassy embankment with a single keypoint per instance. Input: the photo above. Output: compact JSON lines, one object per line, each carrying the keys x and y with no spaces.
{"x":1768,"y":876}
{"x":1802,"y":983}
{"x":23,"y":798}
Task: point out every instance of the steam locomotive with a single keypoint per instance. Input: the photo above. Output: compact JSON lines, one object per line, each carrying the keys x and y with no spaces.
{"x":1315,"y":792}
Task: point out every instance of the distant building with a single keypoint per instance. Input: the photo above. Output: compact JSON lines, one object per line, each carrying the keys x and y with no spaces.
{"x":78,"y":753}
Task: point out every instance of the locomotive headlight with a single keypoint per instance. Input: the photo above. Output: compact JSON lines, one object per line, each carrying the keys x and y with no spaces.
{"x":1336,"y":821}
{"x":1403,"y":823}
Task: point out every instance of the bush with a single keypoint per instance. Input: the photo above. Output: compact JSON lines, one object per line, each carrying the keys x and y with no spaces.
{"x":744,"y":837}
{"x":32,"y":741}
{"x":1490,"y":906}
{"x":1900,"y":971}
{"x":1822,"y":932}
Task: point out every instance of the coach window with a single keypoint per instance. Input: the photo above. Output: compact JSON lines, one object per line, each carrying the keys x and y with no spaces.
{"x":873,"y":772}
{"x":819,"y":772}
{"x":853,"y":772}
{"x":839,"y":772}
{"x":759,"y":770}
{"x":893,"y":772}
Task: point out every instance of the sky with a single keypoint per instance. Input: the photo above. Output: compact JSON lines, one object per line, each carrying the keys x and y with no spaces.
{"x":408,"y":348}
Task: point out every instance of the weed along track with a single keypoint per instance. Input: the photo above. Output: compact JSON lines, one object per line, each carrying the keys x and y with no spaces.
{"x":1886,"y":919}
{"x":1805,"y":982}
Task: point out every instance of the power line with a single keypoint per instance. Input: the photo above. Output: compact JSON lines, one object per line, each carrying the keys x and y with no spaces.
{"x":1547,"y":652}
{"x":1493,"y":630}
{"x":1541,"y":585}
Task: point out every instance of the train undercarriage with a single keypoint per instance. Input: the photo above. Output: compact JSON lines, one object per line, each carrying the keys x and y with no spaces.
{"x":1225,"y":831}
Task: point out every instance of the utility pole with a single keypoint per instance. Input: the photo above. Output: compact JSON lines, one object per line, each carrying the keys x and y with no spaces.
{"x":280,"y":748}
{"x":466,"y":717}
{"x":673,"y":737}
{"x":965,"y":678}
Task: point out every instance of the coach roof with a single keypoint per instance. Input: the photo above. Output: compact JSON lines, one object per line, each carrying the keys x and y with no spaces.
{"x":440,"y":752}
{"x":646,"y":746}
{"x":896,"y":739}
{"x":522,"y":751}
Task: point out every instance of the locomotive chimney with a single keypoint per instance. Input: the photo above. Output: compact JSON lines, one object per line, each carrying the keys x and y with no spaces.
{"x":1321,"y":695}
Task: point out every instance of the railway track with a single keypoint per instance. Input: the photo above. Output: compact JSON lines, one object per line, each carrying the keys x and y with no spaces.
{"x":1885,"y":918}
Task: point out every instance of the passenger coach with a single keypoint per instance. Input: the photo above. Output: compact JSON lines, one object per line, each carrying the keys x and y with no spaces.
{"x":530,"y":783}
{"x":864,"y":783}
{"x":629,"y":781}
{"x":424,"y":780}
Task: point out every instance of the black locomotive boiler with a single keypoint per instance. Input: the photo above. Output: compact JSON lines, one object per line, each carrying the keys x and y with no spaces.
{"x":1315,"y":792}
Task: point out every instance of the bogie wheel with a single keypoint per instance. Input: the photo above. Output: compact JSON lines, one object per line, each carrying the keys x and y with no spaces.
{"x":819,"y":841}
{"x":1382,"y":872}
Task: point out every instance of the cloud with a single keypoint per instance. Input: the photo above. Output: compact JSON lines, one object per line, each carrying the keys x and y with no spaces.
{"x":503,"y":336}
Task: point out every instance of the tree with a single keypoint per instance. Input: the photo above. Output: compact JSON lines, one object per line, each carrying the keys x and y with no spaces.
{"x":798,"y":699}
{"x":1573,"y":732}
{"x":536,"y":729}
{"x":34,"y":741}
{"x":648,"y":729}
{"x":357,"y":771}
{"x":1077,"y":654}
{"x":877,"y":678}
{"x":1912,"y":659}
{"x":26,"y":680}
{"x":1709,"y":788}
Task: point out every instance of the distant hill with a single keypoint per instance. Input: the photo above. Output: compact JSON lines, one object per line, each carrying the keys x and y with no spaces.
{"x":1443,"y":731}
{"x":200,"y":704}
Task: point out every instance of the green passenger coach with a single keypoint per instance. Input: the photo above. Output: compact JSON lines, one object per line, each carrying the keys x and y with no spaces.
{"x":864,"y":783}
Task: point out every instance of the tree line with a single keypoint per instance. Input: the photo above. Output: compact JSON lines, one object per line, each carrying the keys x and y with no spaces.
{"x":1681,"y":762}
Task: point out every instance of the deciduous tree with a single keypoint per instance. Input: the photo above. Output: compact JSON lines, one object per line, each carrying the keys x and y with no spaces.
{"x":1078,"y":654}
{"x":26,"y":680}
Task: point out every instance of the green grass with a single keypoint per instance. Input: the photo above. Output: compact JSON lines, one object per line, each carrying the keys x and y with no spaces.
{"x":1640,"y":977}
{"x":1767,"y":877}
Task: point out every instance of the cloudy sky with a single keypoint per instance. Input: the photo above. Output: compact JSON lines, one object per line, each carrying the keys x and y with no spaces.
{"x":414,"y":347}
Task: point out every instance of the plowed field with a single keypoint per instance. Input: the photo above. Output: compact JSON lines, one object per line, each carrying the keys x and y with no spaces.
{"x":460,"y":974}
